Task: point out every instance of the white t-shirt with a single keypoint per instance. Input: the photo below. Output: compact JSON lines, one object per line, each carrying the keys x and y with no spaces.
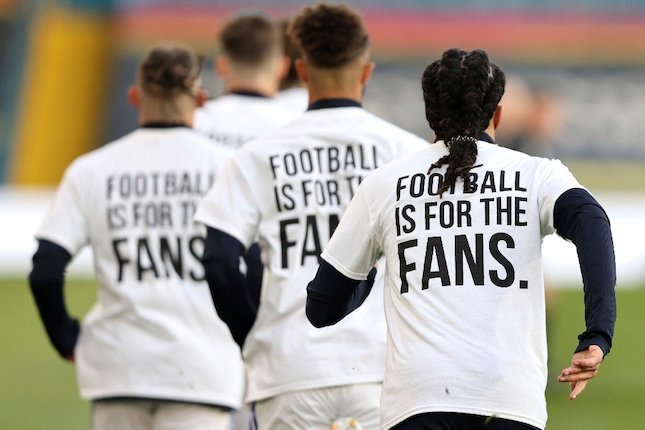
{"x":154,"y":332}
{"x":295,"y":100}
{"x":289,"y":189}
{"x":464,"y":297}
{"x":234,"y":119}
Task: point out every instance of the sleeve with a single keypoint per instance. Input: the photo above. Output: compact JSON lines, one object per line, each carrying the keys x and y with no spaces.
{"x":254,"y":273}
{"x":47,"y":280}
{"x":66,"y":222}
{"x":229,"y":288}
{"x":353,"y":249}
{"x":556,"y":179}
{"x":230,"y":205}
{"x":579,"y":218}
{"x":331,"y":296}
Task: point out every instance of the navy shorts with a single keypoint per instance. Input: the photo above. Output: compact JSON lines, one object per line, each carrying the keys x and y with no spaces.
{"x":457,"y":421}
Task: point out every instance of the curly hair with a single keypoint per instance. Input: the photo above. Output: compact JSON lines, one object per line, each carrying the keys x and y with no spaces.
{"x":250,"y":39}
{"x":329,"y":36}
{"x":169,"y":70}
{"x":461,"y":92}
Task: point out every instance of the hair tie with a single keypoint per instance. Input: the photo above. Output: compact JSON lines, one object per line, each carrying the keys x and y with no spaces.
{"x":461,"y":139}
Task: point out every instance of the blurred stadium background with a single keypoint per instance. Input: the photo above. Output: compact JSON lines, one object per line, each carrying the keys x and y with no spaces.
{"x":576,"y":91}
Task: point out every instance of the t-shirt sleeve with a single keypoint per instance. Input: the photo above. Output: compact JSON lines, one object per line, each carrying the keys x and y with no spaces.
{"x":66,"y":222}
{"x":230,"y":205}
{"x":556,"y":180}
{"x":353,"y":249}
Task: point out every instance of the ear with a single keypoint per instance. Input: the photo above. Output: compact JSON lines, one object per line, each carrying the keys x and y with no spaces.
{"x":134,"y":97}
{"x":366,"y":72}
{"x":497,"y":116}
{"x":222,"y":66}
{"x":301,"y":70}
{"x":285,"y":63}
{"x":201,"y":97}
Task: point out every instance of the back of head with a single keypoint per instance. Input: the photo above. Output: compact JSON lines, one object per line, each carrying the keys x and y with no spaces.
{"x":168,"y":71}
{"x":329,"y":36}
{"x":461,"y":92}
{"x":250,"y":40}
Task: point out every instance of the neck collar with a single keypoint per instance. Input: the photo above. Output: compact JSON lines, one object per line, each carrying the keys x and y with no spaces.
{"x":249,"y":93}
{"x":486,"y":138}
{"x":163,"y":124}
{"x":333,"y":103}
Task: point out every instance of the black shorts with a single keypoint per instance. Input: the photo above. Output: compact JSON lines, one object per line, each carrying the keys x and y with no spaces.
{"x":457,"y":421}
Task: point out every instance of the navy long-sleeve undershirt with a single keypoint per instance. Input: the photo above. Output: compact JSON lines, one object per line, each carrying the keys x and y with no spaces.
{"x":47,"y":279}
{"x":235,"y":295}
{"x":331,"y":296}
{"x":578,"y":217}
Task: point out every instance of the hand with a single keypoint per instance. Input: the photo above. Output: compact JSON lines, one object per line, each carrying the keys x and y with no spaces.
{"x":584,"y":366}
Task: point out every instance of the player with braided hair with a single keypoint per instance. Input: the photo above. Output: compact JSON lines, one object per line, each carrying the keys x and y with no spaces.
{"x":462,"y":241}
{"x":152,"y":353}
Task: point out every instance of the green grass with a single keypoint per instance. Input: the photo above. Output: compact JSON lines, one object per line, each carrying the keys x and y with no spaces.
{"x":38,"y":390}
{"x":616,"y":398}
{"x":609,"y":176}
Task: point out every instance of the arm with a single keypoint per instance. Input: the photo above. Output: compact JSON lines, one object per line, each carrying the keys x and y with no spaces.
{"x":47,"y":280}
{"x":346,"y":273}
{"x":331,"y":296}
{"x":579,"y":218}
{"x":254,"y":272}
{"x":228,"y":286}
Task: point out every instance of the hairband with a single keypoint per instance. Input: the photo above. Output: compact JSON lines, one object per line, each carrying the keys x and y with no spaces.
{"x":461,"y":138}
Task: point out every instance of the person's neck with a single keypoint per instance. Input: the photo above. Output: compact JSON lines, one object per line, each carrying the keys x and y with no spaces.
{"x":316,"y":95}
{"x":490,"y":131}
{"x":267,"y":89}
{"x":186,"y":120}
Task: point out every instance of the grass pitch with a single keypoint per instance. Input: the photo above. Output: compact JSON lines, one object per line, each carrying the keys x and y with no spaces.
{"x":38,"y":390}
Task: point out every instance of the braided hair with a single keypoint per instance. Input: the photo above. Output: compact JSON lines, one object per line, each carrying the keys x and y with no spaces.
{"x":461,"y":92}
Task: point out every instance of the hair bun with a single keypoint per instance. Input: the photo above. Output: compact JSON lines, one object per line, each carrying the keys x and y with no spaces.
{"x":168,"y":69}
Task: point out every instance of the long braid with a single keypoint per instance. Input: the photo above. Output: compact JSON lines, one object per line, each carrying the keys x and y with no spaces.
{"x":461,"y":92}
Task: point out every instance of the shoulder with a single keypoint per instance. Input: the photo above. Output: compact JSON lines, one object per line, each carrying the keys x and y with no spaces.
{"x":95,"y":159}
{"x":500,"y":155}
{"x":217,"y":103}
{"x":202,"y":143}
{"x":214,"y":107}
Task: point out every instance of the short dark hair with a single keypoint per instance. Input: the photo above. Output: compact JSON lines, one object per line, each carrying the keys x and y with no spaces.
{"x":250,"y":39}
{"x":330,"y":36}
{"x":168,"y":70}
